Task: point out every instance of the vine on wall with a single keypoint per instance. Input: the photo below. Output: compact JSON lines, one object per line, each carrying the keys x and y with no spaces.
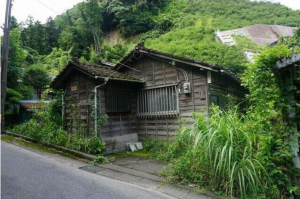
{"x":269,"y":106}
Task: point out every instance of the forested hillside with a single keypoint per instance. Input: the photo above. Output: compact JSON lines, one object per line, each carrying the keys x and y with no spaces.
{"x":180,"y":27}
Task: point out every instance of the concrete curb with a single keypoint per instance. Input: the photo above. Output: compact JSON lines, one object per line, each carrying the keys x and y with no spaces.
{"x":59,"y":148}
{"x":132,"y":172}
{"x":163,"y":187}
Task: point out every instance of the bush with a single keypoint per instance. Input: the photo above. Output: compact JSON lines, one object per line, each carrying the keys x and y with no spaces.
{"x":156,"y":147}
{"x":45,"y":128}
{"x":52,"y":134}
{"x":269,"y":107}
{"x":219,"y":152}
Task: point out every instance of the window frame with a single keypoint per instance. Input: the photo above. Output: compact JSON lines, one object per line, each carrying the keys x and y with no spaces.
{"x":156,"y":102}
{"x":221,"y":98}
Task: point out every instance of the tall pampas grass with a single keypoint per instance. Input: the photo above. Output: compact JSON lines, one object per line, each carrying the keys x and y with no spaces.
{"x":219,"y":152}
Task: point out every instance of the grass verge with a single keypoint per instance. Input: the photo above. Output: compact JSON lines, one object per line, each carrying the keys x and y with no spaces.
{"x":23,"y":143}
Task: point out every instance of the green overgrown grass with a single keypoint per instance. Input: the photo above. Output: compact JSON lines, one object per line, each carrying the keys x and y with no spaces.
{"x":49,"y":133}
{"x":218,"y":152}
{"x":45,"y":128}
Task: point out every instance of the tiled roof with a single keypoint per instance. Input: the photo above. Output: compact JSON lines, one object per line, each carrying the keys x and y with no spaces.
{"x":102,"y":70}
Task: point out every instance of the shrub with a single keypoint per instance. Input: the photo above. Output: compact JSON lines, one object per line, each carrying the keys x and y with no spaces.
{"x":218,"y":152}
{"x":95,"y":146}
{"x":50,"y":133}
{"x":269,"y":107}
{"x":157,"y":147}
{"x":45,"y":128}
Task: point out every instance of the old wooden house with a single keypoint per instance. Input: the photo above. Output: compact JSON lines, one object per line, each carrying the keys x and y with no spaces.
{"x":148,"y":94}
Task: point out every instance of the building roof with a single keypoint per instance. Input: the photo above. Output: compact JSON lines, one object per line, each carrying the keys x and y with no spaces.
{"x":260,"y":34}
{"x":287,"y":61}
{"x":102,"y":70}
{"x":31,"y":104}
{"x":140,"y":49}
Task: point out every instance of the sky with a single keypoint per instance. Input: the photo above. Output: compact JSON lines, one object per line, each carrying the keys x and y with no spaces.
{"x":42,"y":9}
{"x":38,"y":9}
{"x":294,"y":4}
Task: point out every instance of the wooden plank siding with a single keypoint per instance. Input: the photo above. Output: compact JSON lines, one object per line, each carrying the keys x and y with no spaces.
{"x":79,"y":89}
{"x":119,"y":124}
{"x":156,"y":73}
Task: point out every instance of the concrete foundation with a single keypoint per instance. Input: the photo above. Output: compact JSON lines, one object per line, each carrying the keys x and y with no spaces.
{"x":118,"y":144}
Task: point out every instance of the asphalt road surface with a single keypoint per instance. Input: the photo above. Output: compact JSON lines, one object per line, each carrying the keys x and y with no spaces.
{"x":29,"y":175}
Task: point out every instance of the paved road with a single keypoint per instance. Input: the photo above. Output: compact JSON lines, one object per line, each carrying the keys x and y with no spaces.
{"x":28,"y":175}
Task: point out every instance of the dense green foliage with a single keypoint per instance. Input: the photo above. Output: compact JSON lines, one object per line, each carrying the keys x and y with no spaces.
{"x":198,"y":42}
{"x":45,"y":127}
{"x":36,"y":77}
{"x":293,"y":43}
{"x":220,"y":153}
{"x":193,"y":24}
{"x":268,"y":100}
{"x":40,"y":37}
{"x":237,"y":13}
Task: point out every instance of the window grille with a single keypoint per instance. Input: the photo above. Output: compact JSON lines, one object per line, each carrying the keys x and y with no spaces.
{"x":158,"y":102}
{"x":117,"y":101}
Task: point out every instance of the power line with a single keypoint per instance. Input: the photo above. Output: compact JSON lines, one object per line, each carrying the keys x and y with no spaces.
{"x":56,"y":5}
{"x":29,"y":9}
{"x":47,"y":7}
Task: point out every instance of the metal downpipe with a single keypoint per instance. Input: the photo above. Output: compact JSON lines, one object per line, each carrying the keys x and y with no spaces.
{"x":96,"y":104}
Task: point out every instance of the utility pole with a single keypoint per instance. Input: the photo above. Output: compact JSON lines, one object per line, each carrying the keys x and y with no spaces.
{"x":5,"y":61}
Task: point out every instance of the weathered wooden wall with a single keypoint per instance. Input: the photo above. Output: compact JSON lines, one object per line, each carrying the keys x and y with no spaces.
{"x":222,"y":83}
{"x":226,"y":83}
{"x":119,"y":124}
{"x":78,"y":103}
{"x":157,"y":73}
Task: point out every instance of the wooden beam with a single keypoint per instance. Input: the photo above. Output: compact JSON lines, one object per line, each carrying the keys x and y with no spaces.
{"x":181,"y":61}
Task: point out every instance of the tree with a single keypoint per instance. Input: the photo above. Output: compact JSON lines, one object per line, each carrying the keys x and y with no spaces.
{"x":13,"y":97}
{"x":51,"y":36}
{"x":13,"y":23}
{"x":36,"y":77}
{"x":16,"y":58}
{"x":33,"y":36}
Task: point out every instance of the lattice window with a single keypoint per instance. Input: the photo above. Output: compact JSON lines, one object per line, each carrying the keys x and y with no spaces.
{"x":117,"y":101}
{"x":158,"y":102}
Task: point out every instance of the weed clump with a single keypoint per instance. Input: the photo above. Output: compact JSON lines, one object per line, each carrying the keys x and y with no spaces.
{"x":219,"y":152}
{"x":45,"y":128}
